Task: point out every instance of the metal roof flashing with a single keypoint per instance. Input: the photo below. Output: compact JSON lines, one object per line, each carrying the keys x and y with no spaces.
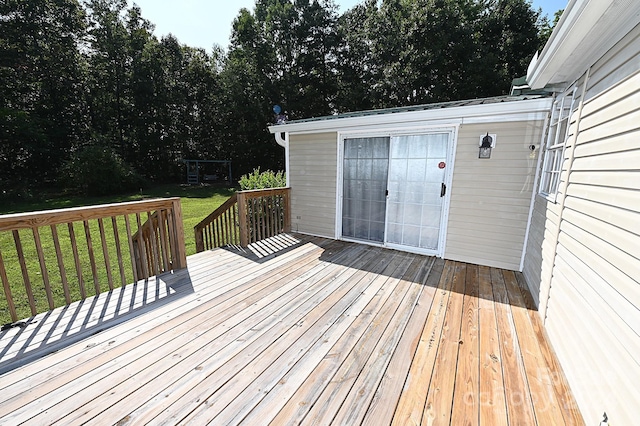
{"x":499,"y":108}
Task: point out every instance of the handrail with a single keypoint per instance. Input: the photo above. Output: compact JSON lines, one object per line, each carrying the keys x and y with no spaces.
{"x":92,"y":238}
{"x":264,"y":213}
{"x":245,"y":218}
{"x":220,"y":227}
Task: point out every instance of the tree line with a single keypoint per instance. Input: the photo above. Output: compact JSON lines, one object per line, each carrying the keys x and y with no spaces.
{"x":93,"y":100}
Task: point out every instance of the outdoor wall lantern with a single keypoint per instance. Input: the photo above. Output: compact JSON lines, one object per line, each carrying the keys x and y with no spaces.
{"x":487,"y":142}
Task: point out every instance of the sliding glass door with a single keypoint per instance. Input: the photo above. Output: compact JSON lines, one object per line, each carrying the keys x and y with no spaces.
{"x":366,"y":166}
{"x":416,"y":191}
{"x":393,"y":190}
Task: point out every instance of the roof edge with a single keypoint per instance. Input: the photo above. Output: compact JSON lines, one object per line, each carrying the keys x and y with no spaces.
{"x":510,"y":111}
{"x":590,"y":27}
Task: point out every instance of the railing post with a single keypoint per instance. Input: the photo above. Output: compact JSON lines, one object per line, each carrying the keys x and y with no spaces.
{"x":7,"y":290}
{"x":242,"y":219}
{"x":180,"y":255}
{"x":199,"y":240}
{"x":287,"y":210}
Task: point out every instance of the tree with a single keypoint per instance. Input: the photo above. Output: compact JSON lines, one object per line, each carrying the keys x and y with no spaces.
{"x":545,"y":28}
{"x":43,"y":114}
{"x":99,"y":81}
{"x":359,"y":73}
{"x":110,"y":66}
{"x":510,"y":38}
{"x":404,"y":52}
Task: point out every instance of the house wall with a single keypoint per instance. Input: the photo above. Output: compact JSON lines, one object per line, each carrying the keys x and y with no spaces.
{"x":490,"y":198}
{"x":312,"y":177}
{"x":592,"y":274}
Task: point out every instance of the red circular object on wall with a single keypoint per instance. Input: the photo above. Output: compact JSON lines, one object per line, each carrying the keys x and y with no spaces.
{"x":442,"y":165}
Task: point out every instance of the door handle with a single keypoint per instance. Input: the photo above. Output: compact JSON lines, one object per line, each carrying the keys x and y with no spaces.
{"x":443,"y":189}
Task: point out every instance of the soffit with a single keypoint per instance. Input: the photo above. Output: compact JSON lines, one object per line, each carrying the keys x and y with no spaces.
{"x":586,"y":31}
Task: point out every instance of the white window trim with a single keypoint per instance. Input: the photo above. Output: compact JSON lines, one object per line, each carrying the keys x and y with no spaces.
{"x":557,"y":135}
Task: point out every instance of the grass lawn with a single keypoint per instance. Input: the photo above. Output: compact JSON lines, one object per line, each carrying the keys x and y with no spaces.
{"x":197,"y":202}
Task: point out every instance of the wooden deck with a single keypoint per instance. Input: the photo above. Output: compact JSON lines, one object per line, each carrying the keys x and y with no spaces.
{"x":323,"y":332}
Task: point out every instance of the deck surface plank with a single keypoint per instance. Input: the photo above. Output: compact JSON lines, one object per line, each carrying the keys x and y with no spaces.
{"x":493,"y":408}
{"x":355,"y":406}
{"x":316,"y":358}
{"x":437,"y":410}
{"x":109,"y":361}
{"x":543,"y":397}
{"x":466,"y":405}
{"x":297,"y":340}
{"x":312,"y":355}
{"x":516,"y":388}
{"x":295,"y":330}
{"x":414,"y":395}
{"x":384,"y":402}
{"x":223,"y":326}
{"x":570,"y":411}
{"x":338,"y":395}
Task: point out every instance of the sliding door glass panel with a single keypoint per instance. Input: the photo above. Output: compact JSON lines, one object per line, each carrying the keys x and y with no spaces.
{"x":415,"y":178}
{"x":366,"y":166}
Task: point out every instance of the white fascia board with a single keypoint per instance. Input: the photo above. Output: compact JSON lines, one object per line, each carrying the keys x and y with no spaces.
{"x":585,"y":32}
{"x":533,"y":109}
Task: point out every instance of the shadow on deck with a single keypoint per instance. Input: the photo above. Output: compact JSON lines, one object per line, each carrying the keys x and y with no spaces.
{"x":54,"y":330}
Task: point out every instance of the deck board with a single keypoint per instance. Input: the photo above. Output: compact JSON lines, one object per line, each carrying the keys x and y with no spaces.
{"x":438,"y":409}
{"x":516,"y":387}
{"x":493,"y":406}
{"x":302,"y":330}
{"x":414,"y":395}
{"x":465,"y":410}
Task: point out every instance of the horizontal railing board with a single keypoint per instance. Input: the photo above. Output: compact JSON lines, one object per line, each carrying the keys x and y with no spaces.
{"x":78,"y":214}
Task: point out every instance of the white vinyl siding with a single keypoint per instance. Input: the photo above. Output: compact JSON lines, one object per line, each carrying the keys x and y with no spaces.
{"x":619,"y":62}
{"x":312,"y":177}
{"x":586,"y":269}
{"x":538,"y":260}
{"x":490,"y":198}
{"x":597,"y":266}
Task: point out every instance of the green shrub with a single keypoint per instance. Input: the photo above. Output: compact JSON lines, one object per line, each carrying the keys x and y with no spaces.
{"x":266,"y":179}
{"x":96,"y":170}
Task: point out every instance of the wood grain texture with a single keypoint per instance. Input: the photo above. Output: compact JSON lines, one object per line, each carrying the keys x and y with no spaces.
{"x":79,"y":214}
{"x":437,"y":410}
{"x":7,"y":290}
{"x":412,"y":400}
{"x":385,"y":401}
{"x":569,"y":406}
{"x":493,"y":408}
{"x":322,"y":332}
{"x":517,"y":395}
{"x":466,"y":398}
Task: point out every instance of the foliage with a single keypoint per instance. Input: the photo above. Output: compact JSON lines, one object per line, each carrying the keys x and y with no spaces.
{"x":99,"y":170}
{"x":73,"y":72}
{"x":262,"y":180}
{"x":546,"y":27}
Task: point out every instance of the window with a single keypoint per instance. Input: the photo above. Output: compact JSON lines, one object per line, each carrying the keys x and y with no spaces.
{"x":556,"y":140}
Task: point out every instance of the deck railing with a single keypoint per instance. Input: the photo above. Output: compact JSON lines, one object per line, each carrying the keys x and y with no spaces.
{"x":220,"y":228}
{"x":245,"y":218}
{"x":110,"y":245}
